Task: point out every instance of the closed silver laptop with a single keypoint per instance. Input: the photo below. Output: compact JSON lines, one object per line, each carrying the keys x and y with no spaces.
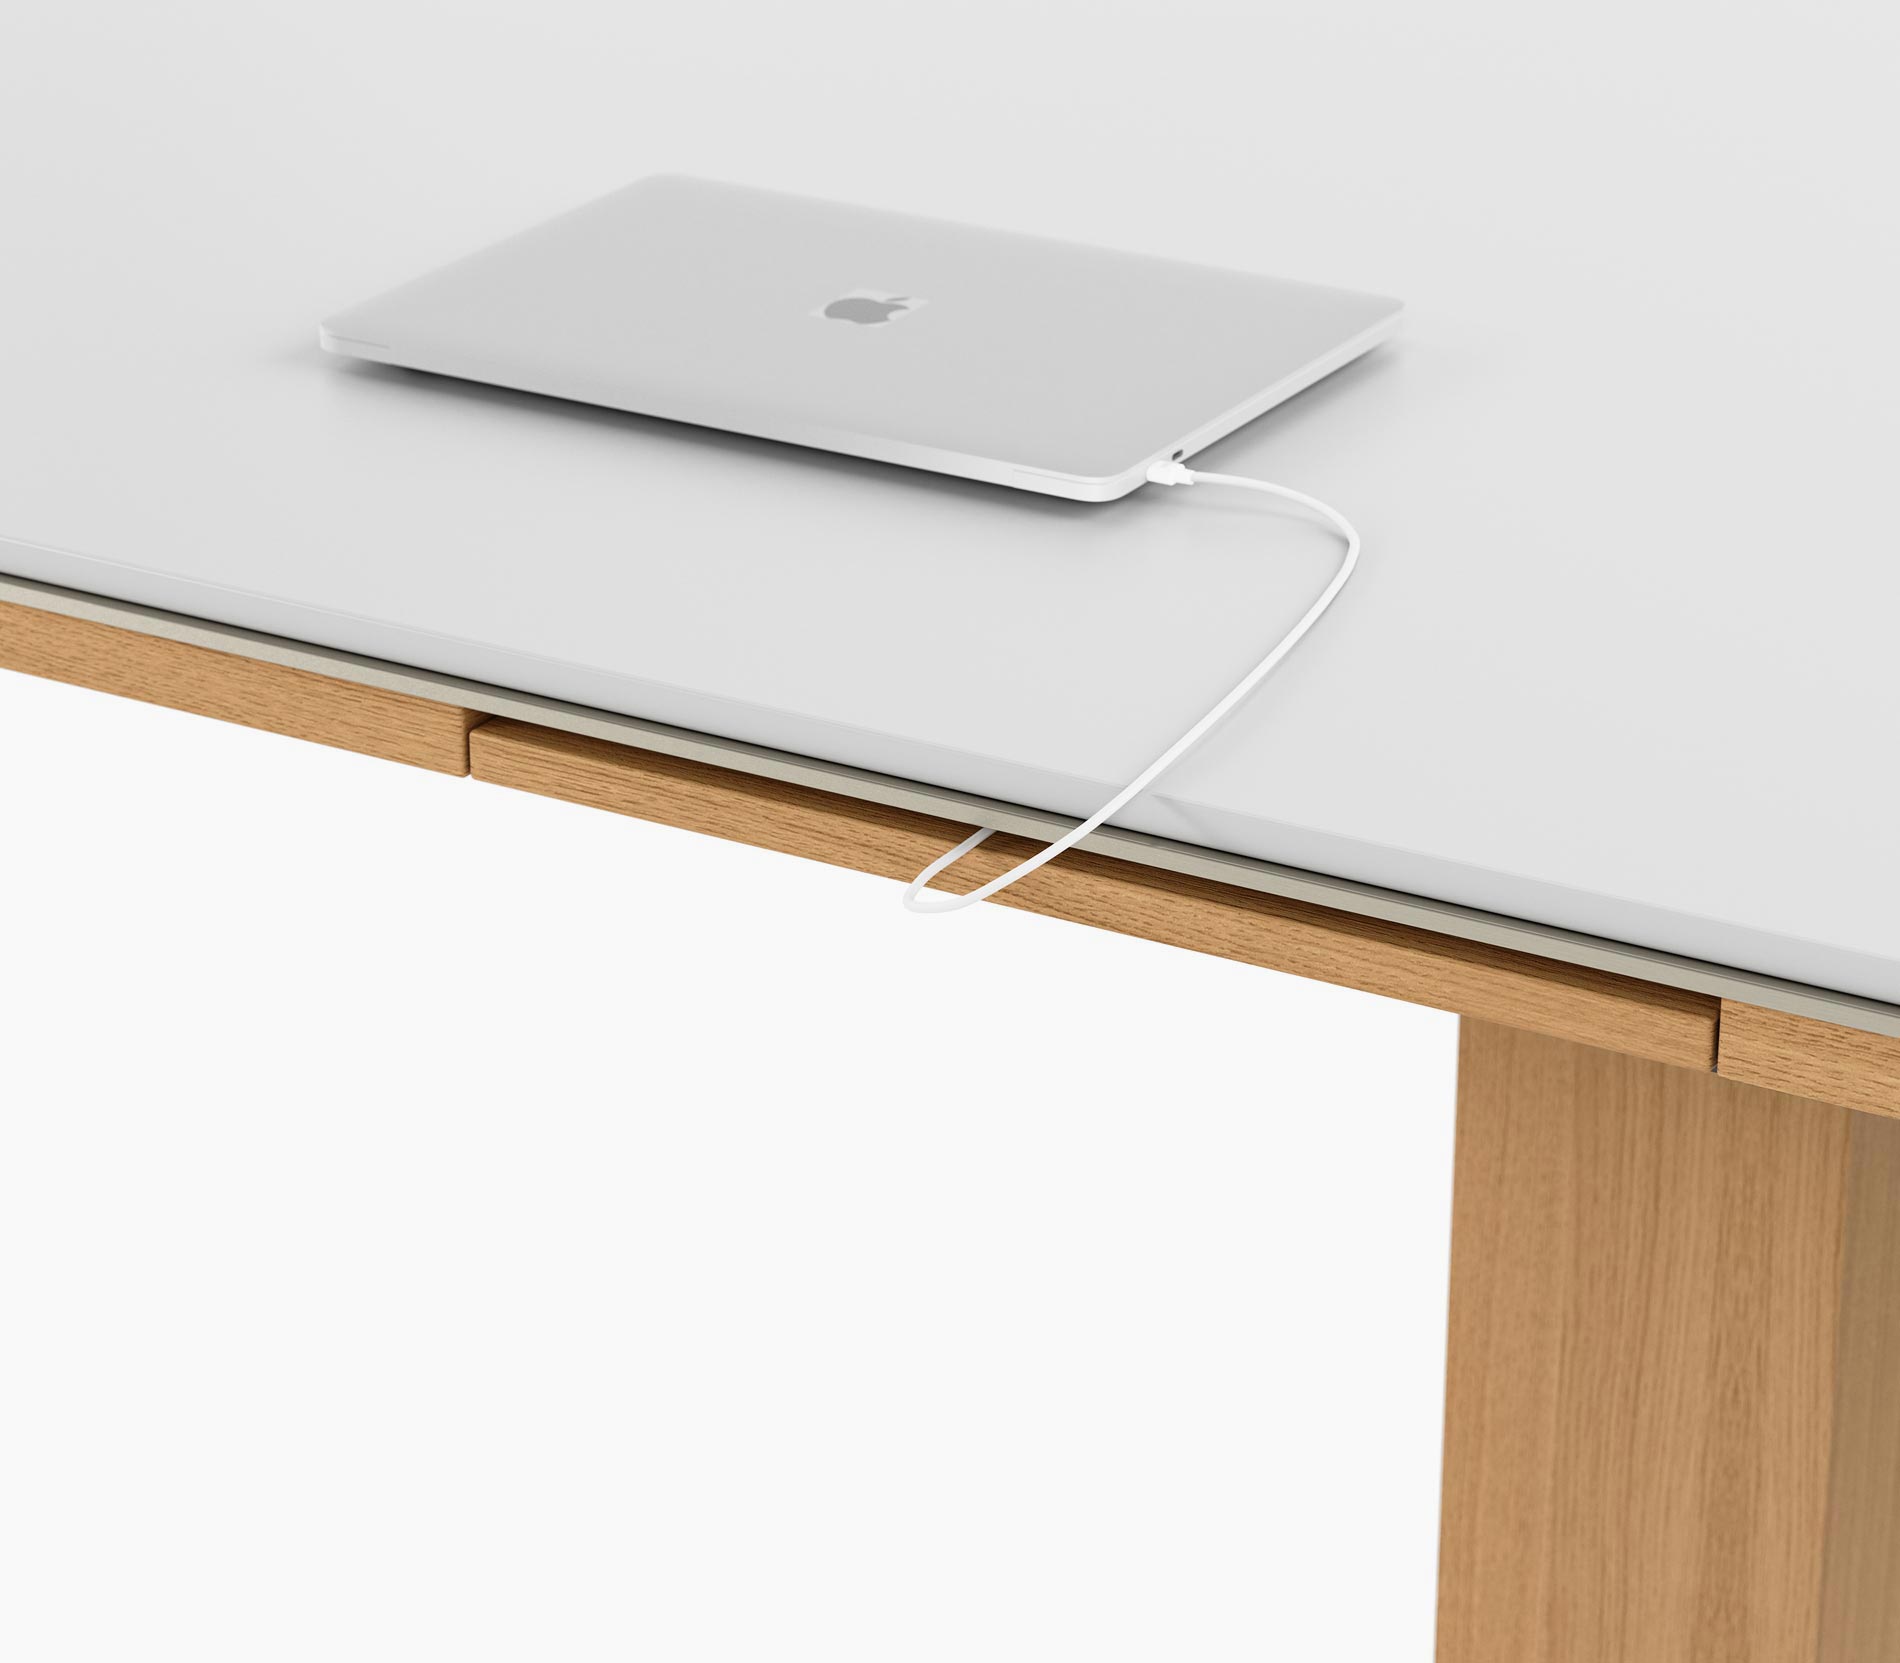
{"x":1015,"y":359}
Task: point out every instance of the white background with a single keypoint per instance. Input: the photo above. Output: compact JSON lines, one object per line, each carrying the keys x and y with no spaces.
{"x":439,"y":1223}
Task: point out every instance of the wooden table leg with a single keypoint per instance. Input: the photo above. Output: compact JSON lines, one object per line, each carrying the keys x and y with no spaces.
{"x":1673,"y":1407}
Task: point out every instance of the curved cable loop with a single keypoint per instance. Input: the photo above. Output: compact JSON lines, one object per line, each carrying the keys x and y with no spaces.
{"x":1165,"y":473}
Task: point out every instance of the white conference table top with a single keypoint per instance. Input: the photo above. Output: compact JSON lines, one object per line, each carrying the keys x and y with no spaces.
{"x":1621,"y":654}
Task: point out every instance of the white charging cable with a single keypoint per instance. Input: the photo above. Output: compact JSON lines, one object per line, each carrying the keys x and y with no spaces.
{"x":1162,"y":473}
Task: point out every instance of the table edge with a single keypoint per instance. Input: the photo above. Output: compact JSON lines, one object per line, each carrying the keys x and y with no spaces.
{"x":1442,"y":918}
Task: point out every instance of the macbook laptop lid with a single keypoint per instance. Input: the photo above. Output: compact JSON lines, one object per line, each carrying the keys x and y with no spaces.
{"x":1016,"y":359}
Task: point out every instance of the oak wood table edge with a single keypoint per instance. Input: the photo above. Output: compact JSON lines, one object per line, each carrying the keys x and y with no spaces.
{"x":301,"y":704}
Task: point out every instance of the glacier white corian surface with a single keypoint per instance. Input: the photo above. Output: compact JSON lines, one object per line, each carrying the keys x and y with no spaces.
{"x":1622,"y":653}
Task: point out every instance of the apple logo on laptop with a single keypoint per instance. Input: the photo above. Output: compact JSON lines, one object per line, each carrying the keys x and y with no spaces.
{"x":869,"y":306}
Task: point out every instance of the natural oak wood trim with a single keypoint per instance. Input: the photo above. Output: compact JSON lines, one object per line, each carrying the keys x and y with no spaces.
{"x":1671,"y":1428}
{"x":299,"y":703}
{"x":1391,"y":959}
{"x":1809,"y":1058}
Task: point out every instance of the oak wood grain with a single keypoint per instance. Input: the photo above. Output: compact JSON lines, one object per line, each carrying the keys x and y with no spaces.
{"x":1860,"y":1596}
{"x":299,"y":703}
{"x":1671,"y":1433}
{"x":1195,"y":913}
{"x":1809,"y":1058}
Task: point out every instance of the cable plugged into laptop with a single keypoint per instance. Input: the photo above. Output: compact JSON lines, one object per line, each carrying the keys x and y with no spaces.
{"x":1171,"y":473}
{"x":919,"y":898}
